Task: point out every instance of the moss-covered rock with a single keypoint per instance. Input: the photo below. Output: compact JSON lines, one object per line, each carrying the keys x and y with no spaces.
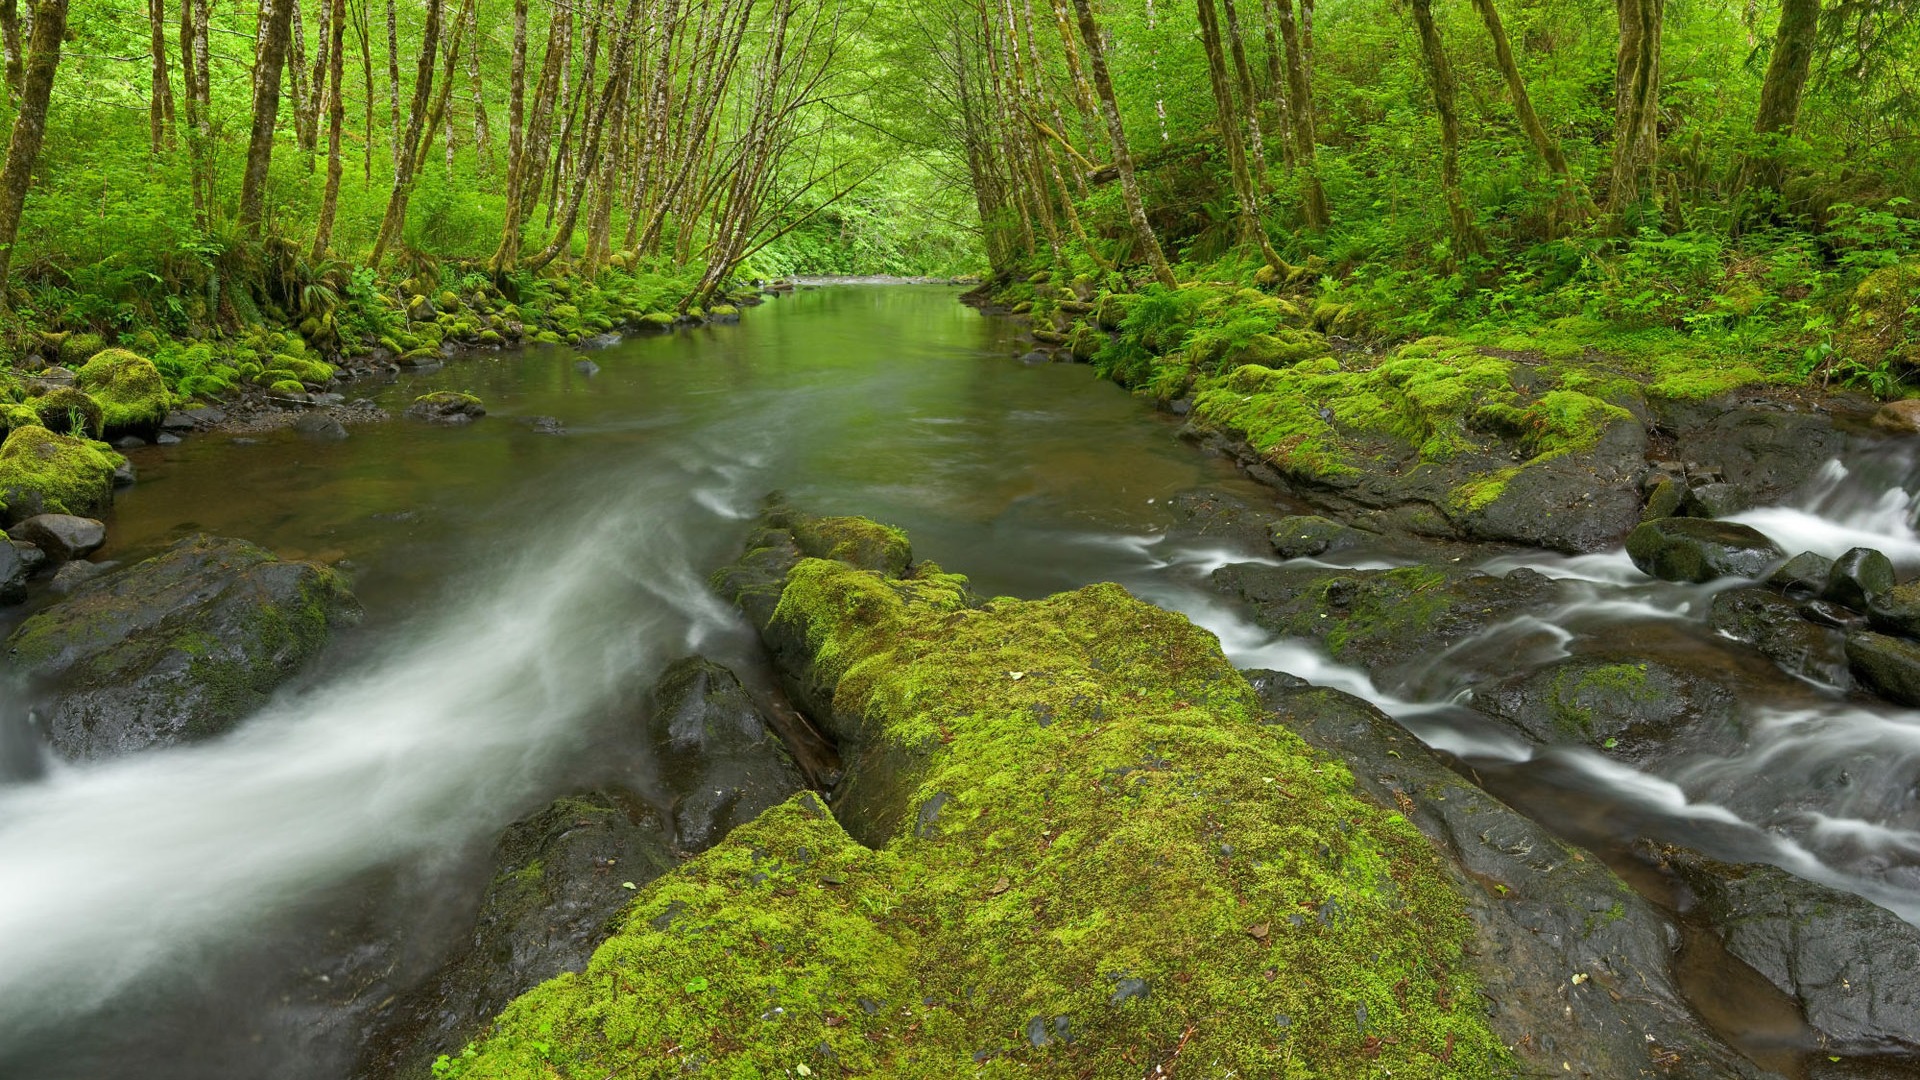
{"x":45,"y":473}
{"x":70,"y":411}
{"x":447,"y":407}
{"x":132,"y":394}
{"x":1091,"y":857}
{"x":178,"y":647}
{"x":1699,"y":549}
{"x":77,"y":348}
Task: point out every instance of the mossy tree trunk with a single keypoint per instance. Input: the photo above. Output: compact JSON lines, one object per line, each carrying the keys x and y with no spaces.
{"x":29,"y":127}
{"x":324,"y":39}
{"x":1313,"y":197}
{"x":1433,"y":54}
{"x":306,"y":119}
{"x":1636,"y":132}
{"x":1780,"y":93}
{"x":482,"y":135}
{"x":336,"y":120}
{"x":270,"y":57}
{"x":197,"y":81}
{"x":393,"y":82}
{"x":1252,"y":229}
{"x":1544,"y":143}
{"x":1243,"y":74}
{"x":160,"y":102}
{"x":405,"y":152}
{"x":596,"y":126}
{"x":1277,"y":82}
{"x":1117,"y":136}
{"x":10,"y":41}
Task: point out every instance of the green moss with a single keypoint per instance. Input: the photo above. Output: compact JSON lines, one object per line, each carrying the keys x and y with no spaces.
{"x":1583,"y":694}
{"x":1091,"y":852}
{"x":132,"y":394}
{"x":1483,"y":492}
{"x":55,"y":474}
{"x":70,"y":411}
{"x":18,"y":416}
{"x":447,"y":398}
{"x":77,"y":349}
{"x":288,"y":386}
{"x":853,"y":540}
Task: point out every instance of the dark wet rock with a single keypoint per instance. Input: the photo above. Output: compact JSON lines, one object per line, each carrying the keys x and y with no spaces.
{"x":123,"y":473}
{"x":1857,"y":577}
{"x":1311,"y":536}
{"x":544,"y":425}
{"x":586,"y":367}
{"x":1573,"y":503}
{"x":1828,"y":613}
{"x":1774,"y":625}
{"x":1826,"y":1067}
{"x":320,"y":427}
{"x":1035,"y":356}
{"x":1718,"y":500}
{"x":1697,"y":549}
{"x":62,"y":536}
{"x":1207,"y":513}
{"x":716,"y":752}
{"x":129,"y":442}
{"x":175,"y":648}
{"x":1889,"y":666}
{"x":1382,"y":619}
{"x":557,"y":885}
{"x":446,"y":407}
{"x":1897,"y":611}
{"x":75,"y":574}
{"x":164,"y":439}
{"x":1765,"y":451}
{"x":1574,"y":965}
{"x":13,"y":573}
{"x":1899,"y":417}
{"x":1803,"y":575}
{"x":1623,"y":703}
{"x":1848,"y":961}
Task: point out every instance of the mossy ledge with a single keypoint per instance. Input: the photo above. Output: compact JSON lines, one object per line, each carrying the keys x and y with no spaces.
{"x":1088,"y":856}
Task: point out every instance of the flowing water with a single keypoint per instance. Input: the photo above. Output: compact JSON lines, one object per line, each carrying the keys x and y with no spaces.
{"x":198,"y":911}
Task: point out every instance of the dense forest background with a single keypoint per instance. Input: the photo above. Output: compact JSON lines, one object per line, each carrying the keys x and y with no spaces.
{"x":1723,"y":176}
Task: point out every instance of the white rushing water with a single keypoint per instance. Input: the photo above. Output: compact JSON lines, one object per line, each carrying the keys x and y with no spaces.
{"x":118,"y":871}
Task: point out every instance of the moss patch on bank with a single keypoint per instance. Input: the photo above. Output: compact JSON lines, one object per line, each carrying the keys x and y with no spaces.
{"x":1098,"y":860}
{"x":45,"y":473}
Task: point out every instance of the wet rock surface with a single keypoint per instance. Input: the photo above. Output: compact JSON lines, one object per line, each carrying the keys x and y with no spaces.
{"x":1574,"y":964}
{"x":1700,"y":549}
{"x":716,"y":751}
{"x":63,"y":537}
{"x":1846,"y":960}
{"x":1625,"y":703}
{"x":175,"y":648}
{"x":1777,"y":628}
{"x":1889,"y":666}
{"x":14,"y":568}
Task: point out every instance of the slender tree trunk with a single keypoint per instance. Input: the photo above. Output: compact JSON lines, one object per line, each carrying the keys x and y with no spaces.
{"x":336,"y":120}
{"x":1256,"y":142}
{"x":1544,"y":143}
{"x":160,"y":107}
{"x":317,"y":82}
{"x":276,"y":20}
{"x":29,"y":128}
{"x":516,"y":138}
{"x":1466,"y":236}
{"x":365,"y":35}
{"x":1787,"y":71}
{"x":394,"y":141}
{"x":1252,"y":229}
{"x":1277,"y":82}
{"x":198,"y":86}
{"x":616,"y":62}
{"x":10,"y":40}
{"x":1117,"y":135}
{"x":1313,"y":197}
{"x":1636,"y":133}
{"x":306,"y":121}
{"x":482,"y":138}
{"x":417,"y":128}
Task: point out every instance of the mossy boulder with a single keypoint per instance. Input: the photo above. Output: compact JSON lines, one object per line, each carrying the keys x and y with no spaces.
{"x":447,"y":407}
{"x":1701,"y":549}
{"x":1620,"y":703}
{"x":45,"y":473}
{"x":17,"y":416}
{"x":1889,"y":666}
{"x":70,"y":411}
{"x":132,"y":394}
{"x":178,"y":647}
{"x":77,"y":348}
{"x":1085,"y":841}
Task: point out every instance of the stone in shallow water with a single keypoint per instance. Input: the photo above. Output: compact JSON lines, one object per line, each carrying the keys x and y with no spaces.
{"x":716,"y":751}
{"x":62,"y":536}
{"x":1698,"y":549}
{"x":1889,"y":665}
{"x":1803,"y":575}
{"x":320,"y":427}
{"x":1857,"y":577}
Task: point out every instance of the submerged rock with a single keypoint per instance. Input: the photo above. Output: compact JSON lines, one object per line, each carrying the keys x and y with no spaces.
{"x":1573,"y":964}
{"x":557,"y":881}
{"x":1848,"y":961}
{"x":1776,"y":627}
{"x":63,"y":537}
{"x":178,"y":647}
{"x":1899,"y":417}
{"x":1311,"y":536}
{"x":320,"y":427}
{"x":715,"y":752}
{"x":1624,"y":703}
{"x":1699,"y":549}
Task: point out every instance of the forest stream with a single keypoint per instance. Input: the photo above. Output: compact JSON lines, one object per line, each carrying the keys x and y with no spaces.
{"x":525,"y":582}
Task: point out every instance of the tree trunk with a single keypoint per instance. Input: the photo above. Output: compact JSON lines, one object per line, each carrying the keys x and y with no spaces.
{"x":366,"y":67}
{"x":394,"y":142}
{"x":1313,"y":197}
{"x":306,"y":121}
{"x":29,"y":127}
{"x":1277,"y":82}
{"x":482,"y":138}
{"x":1636,"y":133}
{"x":616,"y":62}
{"x":276,"y":20}
{"x":336,"y":120}
{"x":1256,"y":142}
{"x":1117,"y":135}
{"x":197,"y":84}
{"x":10,"y":39}
{"x":1252,"y":230}
{"x":1549,"y":150}
{"x":323,"y":46}
{"x":404,"y":152}
{"x":1787,"y":70}
{"x":1466,"y":236}
{"x":160,"y":107}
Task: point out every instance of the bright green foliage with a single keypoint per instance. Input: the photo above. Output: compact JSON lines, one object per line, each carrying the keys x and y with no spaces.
{"x":1092,"y":855}
{"x":54,"y":474}
{"x":131,"y":393}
